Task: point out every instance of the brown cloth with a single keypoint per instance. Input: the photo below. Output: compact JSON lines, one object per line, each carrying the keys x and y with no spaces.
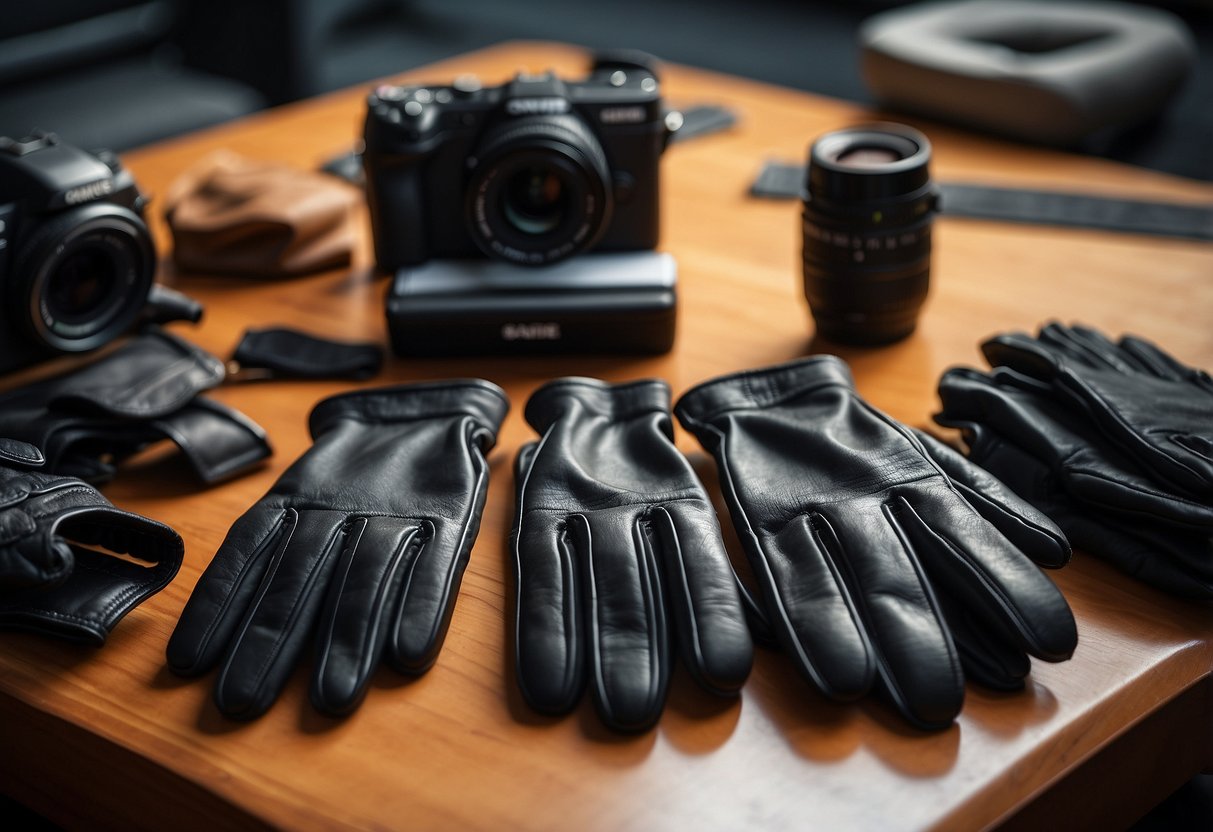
{"x":228,"y":213}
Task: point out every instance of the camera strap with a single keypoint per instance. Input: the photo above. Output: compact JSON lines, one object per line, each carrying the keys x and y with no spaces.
{"x":779,"y":180}
{"x":281,"y":353}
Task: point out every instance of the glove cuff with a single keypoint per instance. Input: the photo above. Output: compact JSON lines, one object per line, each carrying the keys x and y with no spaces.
{"x":756,"y":389}
{"x":482,"y":400}
{"x":151,"y":375}
{"x":615,"y":402}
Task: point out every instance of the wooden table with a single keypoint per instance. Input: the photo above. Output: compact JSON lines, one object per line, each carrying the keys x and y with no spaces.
{"x":111,"y":738}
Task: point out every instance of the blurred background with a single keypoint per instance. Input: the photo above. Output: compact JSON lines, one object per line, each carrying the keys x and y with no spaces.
{"x":122,"y":73}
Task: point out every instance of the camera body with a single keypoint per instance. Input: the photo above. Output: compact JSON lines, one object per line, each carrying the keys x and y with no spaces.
{"x":76,"y":259}
{"x":530,"y":172}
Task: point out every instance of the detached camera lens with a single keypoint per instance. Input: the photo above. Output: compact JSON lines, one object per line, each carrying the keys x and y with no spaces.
{"x":868,"y":209}
{"x":540,"y":190}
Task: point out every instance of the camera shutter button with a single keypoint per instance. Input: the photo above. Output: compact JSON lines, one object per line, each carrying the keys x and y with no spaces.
{"x":465,"y":85}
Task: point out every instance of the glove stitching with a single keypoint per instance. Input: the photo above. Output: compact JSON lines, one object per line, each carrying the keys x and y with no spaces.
{"x":654,"y":501}
{"x":258,"y":676}
{"x":467,"y":532}
{"x":954,"y":664}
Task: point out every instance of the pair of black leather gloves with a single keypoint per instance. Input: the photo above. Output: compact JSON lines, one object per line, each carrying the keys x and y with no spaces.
{"x":885,"y":559}
{"x":1111,"y":439}
{"x":56,"y":577}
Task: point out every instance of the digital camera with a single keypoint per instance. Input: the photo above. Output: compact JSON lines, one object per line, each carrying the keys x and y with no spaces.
{"x":530,"y":172}
{"x":76,"y":259}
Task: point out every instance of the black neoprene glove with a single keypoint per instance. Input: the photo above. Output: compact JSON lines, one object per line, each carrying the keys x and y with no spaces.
{"x":617,"y":551}
{"x":361,"y":545}
{"x":86,"y":421}
{"x":1159,"y":410}
{"x":863,"y":539}
{"x":53,"y":578}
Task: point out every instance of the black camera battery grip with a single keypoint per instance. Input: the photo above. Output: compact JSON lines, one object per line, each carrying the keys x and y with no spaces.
{"x":594,"y":304}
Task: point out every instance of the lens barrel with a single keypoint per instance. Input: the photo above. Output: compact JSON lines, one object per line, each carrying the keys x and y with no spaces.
{"x":868,"y":206}
{"x":540,"y":190}
{"x":83,"y":277}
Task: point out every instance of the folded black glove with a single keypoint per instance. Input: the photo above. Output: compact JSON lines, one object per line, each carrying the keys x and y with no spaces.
{"x":864,"y":537}
{"x":1159,"y":410}
{"x":88,"y":420}
{"x":1104,"y":500}
{"x":361,"y":544}
{"x":618,"y":550}
{"x":51,"y":580}
{"x":1090,"y":468}
{"x":1175,"y":558}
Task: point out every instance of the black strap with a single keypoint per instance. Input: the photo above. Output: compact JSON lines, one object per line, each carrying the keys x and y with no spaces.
{"x":288,"y":353}
{"x":220,"y":443}
{"x":779,"y":180}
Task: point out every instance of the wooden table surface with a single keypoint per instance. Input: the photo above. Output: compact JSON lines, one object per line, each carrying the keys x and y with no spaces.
{"x":110,"y":737}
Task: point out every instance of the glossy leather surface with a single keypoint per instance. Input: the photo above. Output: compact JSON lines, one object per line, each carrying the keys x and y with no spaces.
{"x":89,"y":419}
{"x":1138,"y":396}
{"x":54,"y":579}
{"x":359,"y":546}
{"x":618,"y":554}
{"x":886,"y":560}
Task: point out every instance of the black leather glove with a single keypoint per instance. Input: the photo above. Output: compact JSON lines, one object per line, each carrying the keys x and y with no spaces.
{"x":1138,"y":396}
{"x":855,"y":529}
{"x":617,"y":550}
{"x":361,"y":544}
{"x":88,"y":420}
{"x":1173,"y":558}
{"x":1086,"y":466}
{"x":52,"y":580}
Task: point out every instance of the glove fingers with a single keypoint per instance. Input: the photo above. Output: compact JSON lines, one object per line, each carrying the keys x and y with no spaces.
{"x":548,"y":627}
{"x":359,"y":608}
{"x":1095,"y":470}
{"x":1028,"y":529}
{"x":1086,"y":347}
{"x":810,"y":609}
{"x":431,"y":585}
{"x":626,"y":618}
{"x":1162,"y":364}
{"x":1178,"y":564}
{"x":988,"y":658}
{"x":711,"y":625}
{"x":279,"y":620}
{"x":226,"y":589}
{"x":916,"y":660}
{"x":971,"y":560}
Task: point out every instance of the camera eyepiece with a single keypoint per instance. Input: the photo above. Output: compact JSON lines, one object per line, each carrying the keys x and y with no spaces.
{"x":868,"y":206}
{"x":540,"y":190}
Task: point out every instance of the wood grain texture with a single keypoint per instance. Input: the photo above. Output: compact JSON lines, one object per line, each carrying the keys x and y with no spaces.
{"x":456,"y":748}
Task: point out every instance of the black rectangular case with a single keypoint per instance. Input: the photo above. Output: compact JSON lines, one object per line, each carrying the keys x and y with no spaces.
{"x":593,"y":304}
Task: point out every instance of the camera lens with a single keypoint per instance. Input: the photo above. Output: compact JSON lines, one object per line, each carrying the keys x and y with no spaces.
{"x":535,"y":201}
{"x":867,"y":232}
{"x":539,"y":191}
{"x":87,"y":275}
{"x":82,"y":286}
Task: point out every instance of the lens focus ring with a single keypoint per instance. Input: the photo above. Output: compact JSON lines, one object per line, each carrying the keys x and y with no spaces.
{"x":83,"y":276}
